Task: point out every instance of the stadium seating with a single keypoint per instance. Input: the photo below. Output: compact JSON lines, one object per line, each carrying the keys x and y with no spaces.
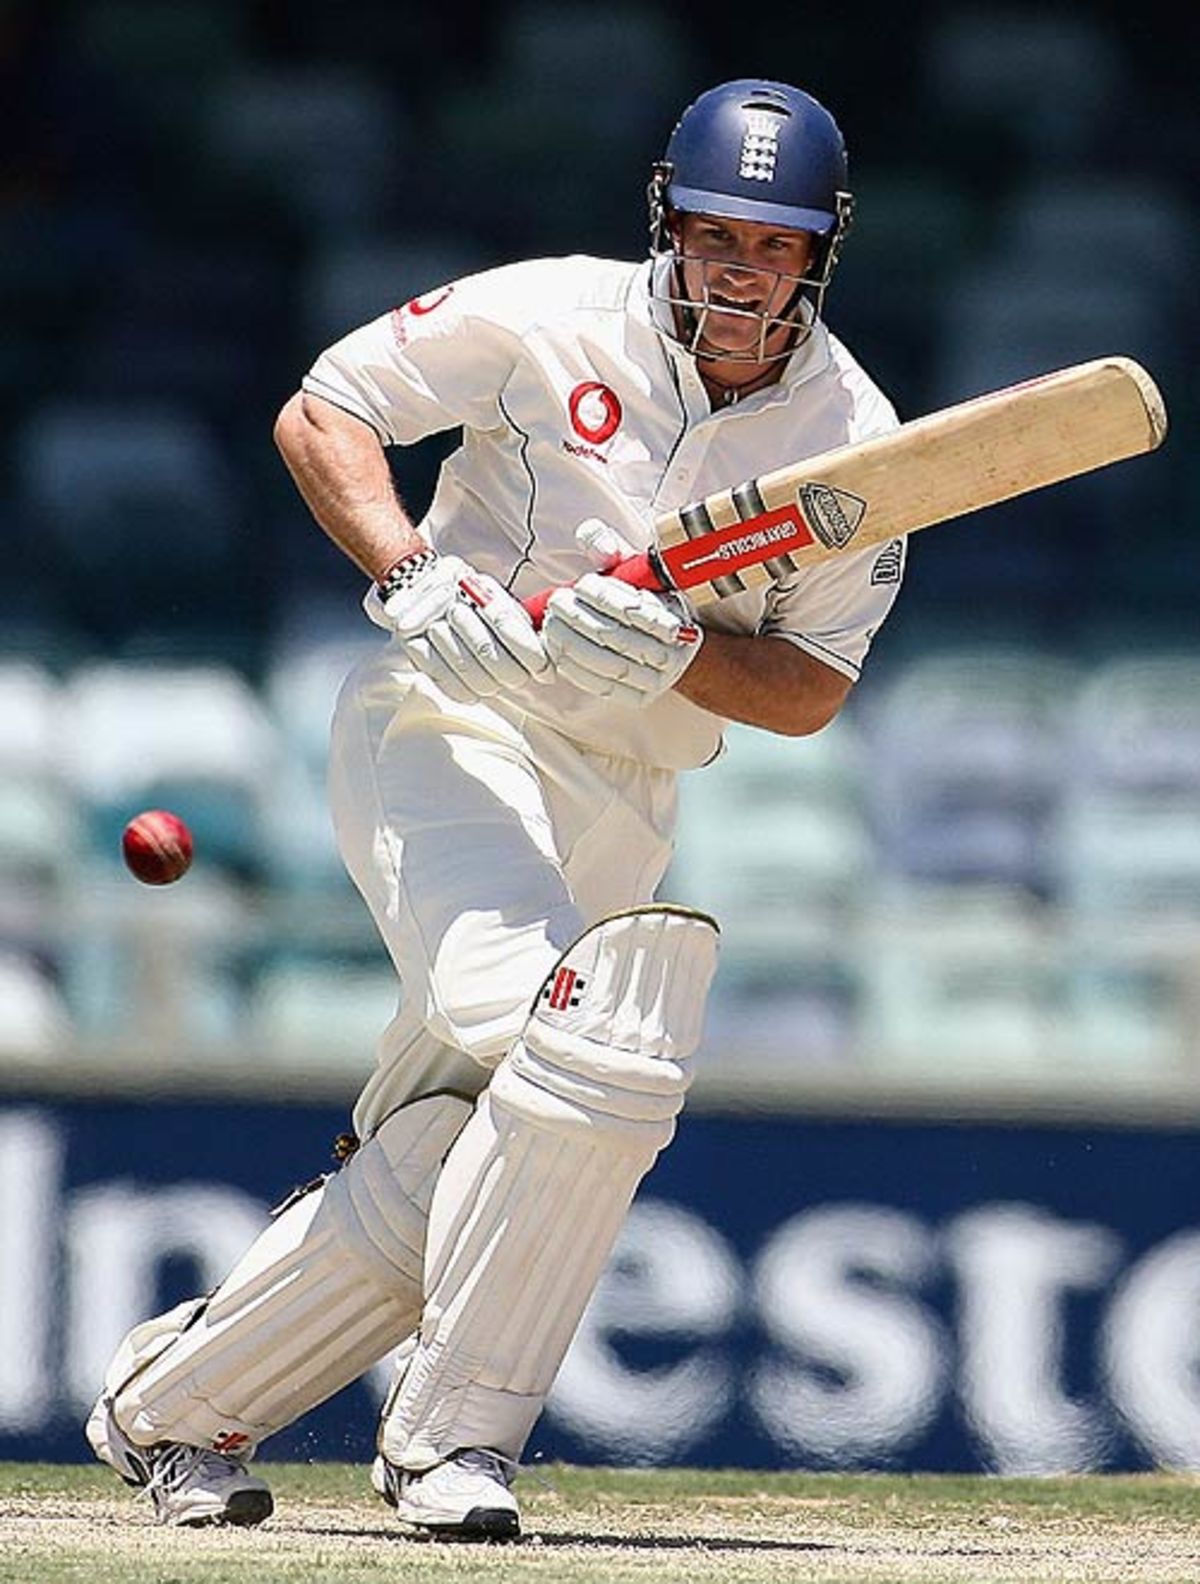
{"x":323,"y":146}
{"x":786,"y":897}
{"x":38,"y":823}
{"x":1135,"y":725}
{"x":158,"y":974}
{"x":1002,"y":323}
{"x":193,"y":738}
{"x":967,"y":751}
{"x":957,"y":980}
{"x":990,"y":858}
{"x":536,"y":111}
{"x":36,"y":1025}
{"x":322,"y":1016}
{"x":1095,"y":226}
{"x":1046,"y":79}
{"x":810,"y":854}
{"x":120,"y":494}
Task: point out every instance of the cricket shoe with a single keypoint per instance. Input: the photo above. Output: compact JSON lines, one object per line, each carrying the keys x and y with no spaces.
{"x":189,"y":1485}
{"x":465,"y":1498}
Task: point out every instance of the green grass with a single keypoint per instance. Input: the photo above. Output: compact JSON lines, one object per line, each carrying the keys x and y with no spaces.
{"x":610,"y":1526}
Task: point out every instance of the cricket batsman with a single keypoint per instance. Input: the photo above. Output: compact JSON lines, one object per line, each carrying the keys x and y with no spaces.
{"x":504,"y":798}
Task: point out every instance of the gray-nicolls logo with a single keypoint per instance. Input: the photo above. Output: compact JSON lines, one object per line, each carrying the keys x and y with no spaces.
{"x":760,"y":145}
{"x":832,"y":514}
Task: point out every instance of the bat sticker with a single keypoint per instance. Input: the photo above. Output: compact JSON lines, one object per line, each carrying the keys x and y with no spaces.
{"x":729,"y":550}
{"x":834,"y":514}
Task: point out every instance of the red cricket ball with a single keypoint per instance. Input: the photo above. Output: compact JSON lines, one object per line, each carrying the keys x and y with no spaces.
{"x":157,"y":847}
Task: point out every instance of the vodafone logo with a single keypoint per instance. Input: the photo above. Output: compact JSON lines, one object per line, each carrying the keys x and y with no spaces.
{"x":595,"y":411}
{"x":415,"y":308}
{"x":429,"y":301}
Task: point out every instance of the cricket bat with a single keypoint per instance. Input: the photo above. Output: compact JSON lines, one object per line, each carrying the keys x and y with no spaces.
{"x":952,"y":462}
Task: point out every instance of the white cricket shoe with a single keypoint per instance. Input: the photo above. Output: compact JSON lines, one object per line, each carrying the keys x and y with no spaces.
{"x":465,"y":1498}
{"x":189,"y":1485}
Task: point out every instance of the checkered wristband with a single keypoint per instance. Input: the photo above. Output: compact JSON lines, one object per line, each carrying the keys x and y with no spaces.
{"x":404,"y":573}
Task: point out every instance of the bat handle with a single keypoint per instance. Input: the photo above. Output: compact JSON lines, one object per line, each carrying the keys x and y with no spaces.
{"x":636,"y":569}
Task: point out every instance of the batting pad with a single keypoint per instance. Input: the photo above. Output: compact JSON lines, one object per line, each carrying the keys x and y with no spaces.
{"x":331,"y":1285}
{"x":537,"y":1185}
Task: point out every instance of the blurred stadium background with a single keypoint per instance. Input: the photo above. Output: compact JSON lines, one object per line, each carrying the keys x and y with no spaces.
{"x":976,"y":896}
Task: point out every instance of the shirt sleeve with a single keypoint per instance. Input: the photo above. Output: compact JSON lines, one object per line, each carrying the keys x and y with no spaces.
{"x":834,"y":610}
{"x":439,"y":361}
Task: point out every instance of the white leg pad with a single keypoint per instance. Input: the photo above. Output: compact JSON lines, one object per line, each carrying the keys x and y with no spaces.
{"x":537,"y":1185}
{"x":322,"y":1294}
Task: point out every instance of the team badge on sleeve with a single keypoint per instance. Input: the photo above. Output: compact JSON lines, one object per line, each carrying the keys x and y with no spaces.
{"x":888,"y":563}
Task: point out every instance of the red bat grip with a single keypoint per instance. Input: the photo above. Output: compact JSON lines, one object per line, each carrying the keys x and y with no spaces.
{"x":636,"y":569}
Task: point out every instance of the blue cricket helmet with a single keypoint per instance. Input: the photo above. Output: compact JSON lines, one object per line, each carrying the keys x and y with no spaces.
{"x":758,"y":150}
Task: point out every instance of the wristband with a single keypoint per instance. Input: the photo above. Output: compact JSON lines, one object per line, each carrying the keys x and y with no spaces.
{"x":404,"y":573}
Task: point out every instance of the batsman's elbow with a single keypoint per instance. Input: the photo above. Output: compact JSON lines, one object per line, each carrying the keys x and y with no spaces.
{"x":290,"y":424}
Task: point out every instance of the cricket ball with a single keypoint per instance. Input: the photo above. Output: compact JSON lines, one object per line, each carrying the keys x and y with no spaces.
{"x":157,"y":846}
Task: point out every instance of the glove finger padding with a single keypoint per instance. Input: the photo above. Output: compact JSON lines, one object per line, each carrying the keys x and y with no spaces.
{"x":474,"y":638}
{"x":465,"y":631}
{"x":603,"y":544}
{"x":509,"y":622}
{"x":423,"y":656}
{"x":613,"y":640}
{"x":598,"y":625}
{"x":601,"y":685}
{"x":661,"y":616}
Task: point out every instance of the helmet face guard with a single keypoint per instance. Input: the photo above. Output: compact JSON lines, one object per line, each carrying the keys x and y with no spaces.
{"x":756,"y":151}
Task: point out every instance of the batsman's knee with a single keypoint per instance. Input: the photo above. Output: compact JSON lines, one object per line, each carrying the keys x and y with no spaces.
{"x":478,"y":986}
{"x":607,"y":1047}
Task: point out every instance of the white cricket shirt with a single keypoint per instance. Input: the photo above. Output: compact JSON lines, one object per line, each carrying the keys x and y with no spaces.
{"x":572,"y":405}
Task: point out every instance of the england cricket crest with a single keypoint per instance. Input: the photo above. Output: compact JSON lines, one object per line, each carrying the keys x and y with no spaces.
{"x":760,"y":146}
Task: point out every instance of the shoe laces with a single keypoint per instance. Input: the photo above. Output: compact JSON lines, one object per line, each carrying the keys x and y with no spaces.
{"x":174,"y":1466}
{"x":485,"y":1461}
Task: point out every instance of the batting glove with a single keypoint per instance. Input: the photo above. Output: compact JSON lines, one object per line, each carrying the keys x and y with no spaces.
{"x":620,"y":642}
{"x":461,"y":628}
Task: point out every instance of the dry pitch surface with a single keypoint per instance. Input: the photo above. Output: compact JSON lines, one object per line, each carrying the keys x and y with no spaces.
{"x":607,"y":1526}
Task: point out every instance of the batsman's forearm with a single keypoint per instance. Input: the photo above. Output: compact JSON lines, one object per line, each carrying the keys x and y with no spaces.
{"x":764,"y":682}
{"x":340,"y":469}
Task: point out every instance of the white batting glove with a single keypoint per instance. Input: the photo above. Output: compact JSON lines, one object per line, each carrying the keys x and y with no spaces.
{"x":603,"y":544}
{"x":620,"y":642}
{"x":461,"y":628}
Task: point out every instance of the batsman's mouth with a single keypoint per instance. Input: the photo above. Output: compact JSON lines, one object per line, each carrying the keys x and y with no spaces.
{"x":719,"y":303}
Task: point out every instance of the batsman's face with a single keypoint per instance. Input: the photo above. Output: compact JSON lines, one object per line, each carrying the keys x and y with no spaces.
{"x":742,"y":271}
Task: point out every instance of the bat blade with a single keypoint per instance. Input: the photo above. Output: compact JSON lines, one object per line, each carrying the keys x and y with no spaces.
{"x":931,"y":470}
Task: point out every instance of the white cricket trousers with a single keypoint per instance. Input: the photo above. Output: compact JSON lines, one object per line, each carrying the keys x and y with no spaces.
{"x":484,"y":843}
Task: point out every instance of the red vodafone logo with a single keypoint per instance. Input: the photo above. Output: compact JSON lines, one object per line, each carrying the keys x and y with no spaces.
{"x":595,"y":411}
{"x":414,"y":309}
{"x":428,"y":301}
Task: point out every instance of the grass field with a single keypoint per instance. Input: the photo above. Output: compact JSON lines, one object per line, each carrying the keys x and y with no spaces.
{"x":608,"y":1526}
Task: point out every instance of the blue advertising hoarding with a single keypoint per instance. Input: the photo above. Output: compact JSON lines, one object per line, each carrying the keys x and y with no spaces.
{"x":790,"y":1292}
